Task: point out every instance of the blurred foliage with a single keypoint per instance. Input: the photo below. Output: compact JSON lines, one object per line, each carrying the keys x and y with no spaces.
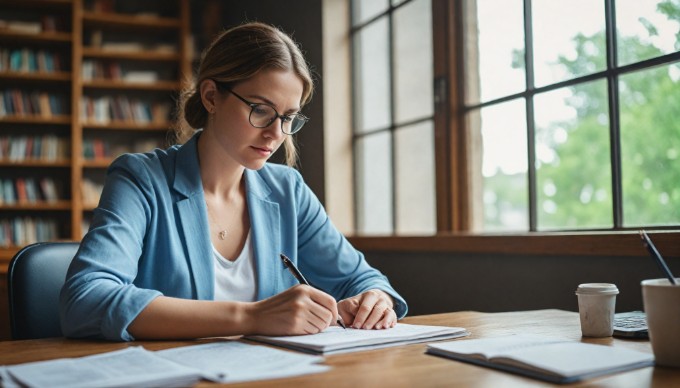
{"x":574,"y":188}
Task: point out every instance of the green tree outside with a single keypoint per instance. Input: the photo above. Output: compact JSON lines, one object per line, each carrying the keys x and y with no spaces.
{"x":575,"y":188}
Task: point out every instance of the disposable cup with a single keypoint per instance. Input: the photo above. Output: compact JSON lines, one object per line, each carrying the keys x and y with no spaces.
{"x":596,"y":305}
{"x":661,"y":301}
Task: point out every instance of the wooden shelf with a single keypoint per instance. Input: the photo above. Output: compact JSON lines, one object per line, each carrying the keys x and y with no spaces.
{"x":146,"y":56}
{"x":57,"y":76}
{"x":32,"y":4}
{"x":88,"y":207}
{"x":128,"y":126}
{"x":41,"y":205}
{"x":60,"y":163}
{"x":117,"y":20}
{"x":53,"y":120}
{"x":97,"y":163}
{"x":45,"y":37}
{"x":120,"y":84}
{"x":170,"y":56}
{"x":6,"y":254}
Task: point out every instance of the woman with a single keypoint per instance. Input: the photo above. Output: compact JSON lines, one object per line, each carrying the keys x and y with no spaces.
{"x":185,"y":242}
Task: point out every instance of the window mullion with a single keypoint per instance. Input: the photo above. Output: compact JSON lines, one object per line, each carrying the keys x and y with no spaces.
{"x":531,"y":128}
{"x":614,"y":123}
{"x":444,"y":77}
{"x":393,"y":148}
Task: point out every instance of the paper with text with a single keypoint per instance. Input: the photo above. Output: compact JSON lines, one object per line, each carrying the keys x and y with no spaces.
{"x":232,"y":361}
{"x":130,"y":367}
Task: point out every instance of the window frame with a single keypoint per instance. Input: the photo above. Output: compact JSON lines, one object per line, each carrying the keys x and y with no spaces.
{"x":455,"y":168}
{"x":394,"y":125}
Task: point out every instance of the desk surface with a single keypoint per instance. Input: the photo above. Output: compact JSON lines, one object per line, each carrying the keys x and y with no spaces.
{"x":404,"y":366}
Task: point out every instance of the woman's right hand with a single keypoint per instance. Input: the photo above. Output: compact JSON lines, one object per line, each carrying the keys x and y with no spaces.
{"x":298,"y":310}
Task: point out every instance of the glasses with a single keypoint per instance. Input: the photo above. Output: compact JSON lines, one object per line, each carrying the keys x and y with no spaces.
{"x":263,"y":115}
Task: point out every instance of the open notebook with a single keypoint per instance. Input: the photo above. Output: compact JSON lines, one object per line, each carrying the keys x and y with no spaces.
{"x":338,"y":340}
{"x":550,"y":359}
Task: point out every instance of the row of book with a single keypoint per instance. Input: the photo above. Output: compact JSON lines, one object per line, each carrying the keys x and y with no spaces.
{"x":101,"y":5}
{"x":22,"y":148}
{"x":21,"y":231}
{"x":123,"y":7}
{"x":115,"y":44}
{"x":52,"y":147}
{"x":47,"y":23}
{"x":27,"y":60}
{"x":22,"y":103}
{"x":101,"y":149}
{"x":121,"y":108}
{"x":27,"y":190}
{"x":114,"y":71}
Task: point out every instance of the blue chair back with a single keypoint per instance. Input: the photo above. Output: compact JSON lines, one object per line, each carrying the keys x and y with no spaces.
{"x":34,"y":278}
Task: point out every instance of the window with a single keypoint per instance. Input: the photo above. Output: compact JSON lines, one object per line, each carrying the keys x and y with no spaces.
{"x":393,"y":117}
{"x":559,"y":115}
{"x":572,"y":102}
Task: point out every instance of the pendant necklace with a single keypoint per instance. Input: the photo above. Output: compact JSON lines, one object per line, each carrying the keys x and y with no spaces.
{"x":222,"y":232}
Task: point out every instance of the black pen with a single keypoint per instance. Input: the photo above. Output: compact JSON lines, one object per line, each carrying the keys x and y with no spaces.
{"x":301,"y":279}
{"x":647,"y":242}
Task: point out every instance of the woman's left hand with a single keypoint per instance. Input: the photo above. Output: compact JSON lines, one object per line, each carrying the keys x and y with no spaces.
{"x":372,"y":309}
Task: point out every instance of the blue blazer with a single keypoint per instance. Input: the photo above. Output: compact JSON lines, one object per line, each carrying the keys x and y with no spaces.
{"x":150,"y":236}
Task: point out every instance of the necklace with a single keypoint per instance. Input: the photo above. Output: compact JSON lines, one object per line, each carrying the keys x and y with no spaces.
{"x":222,"y":232}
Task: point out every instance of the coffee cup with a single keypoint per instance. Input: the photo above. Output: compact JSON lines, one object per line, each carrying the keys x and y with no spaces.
{"x":596,"y":302}
{"x":661,"y":302}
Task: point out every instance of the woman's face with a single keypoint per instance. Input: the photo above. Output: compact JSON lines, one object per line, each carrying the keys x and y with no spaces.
{"x":249,"y":146}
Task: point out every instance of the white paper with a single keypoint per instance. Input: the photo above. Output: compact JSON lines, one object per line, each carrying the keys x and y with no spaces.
{"x":338,"y":340}
{"x":6,"y":380}
{"x":130,"y":367}
{"x":232,"y":361}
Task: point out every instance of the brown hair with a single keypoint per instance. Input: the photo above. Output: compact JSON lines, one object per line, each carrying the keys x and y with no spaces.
{"x":236,"y":55}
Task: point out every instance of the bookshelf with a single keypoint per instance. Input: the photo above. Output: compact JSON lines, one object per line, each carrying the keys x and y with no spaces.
{"x":82,"y":81}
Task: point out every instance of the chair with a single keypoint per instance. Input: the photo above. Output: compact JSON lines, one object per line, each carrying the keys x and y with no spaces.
{"x":34,"y":279}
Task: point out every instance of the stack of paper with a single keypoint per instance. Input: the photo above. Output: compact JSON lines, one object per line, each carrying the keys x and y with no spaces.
{"x":338,"y":340}
{"x":224,"y":362}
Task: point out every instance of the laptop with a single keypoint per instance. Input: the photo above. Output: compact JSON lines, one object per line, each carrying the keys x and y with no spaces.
{"x":631,"y":324}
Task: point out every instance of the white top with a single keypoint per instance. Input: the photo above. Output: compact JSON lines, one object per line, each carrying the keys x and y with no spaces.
{"x":235,"y":280}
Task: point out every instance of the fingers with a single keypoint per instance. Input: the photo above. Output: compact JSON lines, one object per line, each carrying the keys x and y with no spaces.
{"x":378,"y":317}
{"x":374,"y":311}
{"x":347,"y":308}
{"x":326,"y":301}
{"x":322,"y":310}
{"x":298,"y":310}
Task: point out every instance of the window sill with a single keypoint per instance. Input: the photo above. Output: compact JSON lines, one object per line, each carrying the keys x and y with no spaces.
{"x":624,"y":243}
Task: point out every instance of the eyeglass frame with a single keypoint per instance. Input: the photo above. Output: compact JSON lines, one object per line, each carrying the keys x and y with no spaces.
{"x":254,"y":105}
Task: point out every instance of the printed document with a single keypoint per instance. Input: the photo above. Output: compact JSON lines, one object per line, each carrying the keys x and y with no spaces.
{"x":224,"y":362}
{"x":133,"y":366}
{"x":229,"y":362}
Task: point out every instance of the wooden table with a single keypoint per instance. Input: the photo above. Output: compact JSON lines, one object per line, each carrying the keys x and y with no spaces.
{"x":404,"y":366}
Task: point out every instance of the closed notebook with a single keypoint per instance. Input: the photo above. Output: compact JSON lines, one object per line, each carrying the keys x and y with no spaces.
{"x":338,"y":340}
{"x":554,"y":360}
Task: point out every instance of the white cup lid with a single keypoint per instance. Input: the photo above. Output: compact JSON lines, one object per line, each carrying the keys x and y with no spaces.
{"x":597,"y":289}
